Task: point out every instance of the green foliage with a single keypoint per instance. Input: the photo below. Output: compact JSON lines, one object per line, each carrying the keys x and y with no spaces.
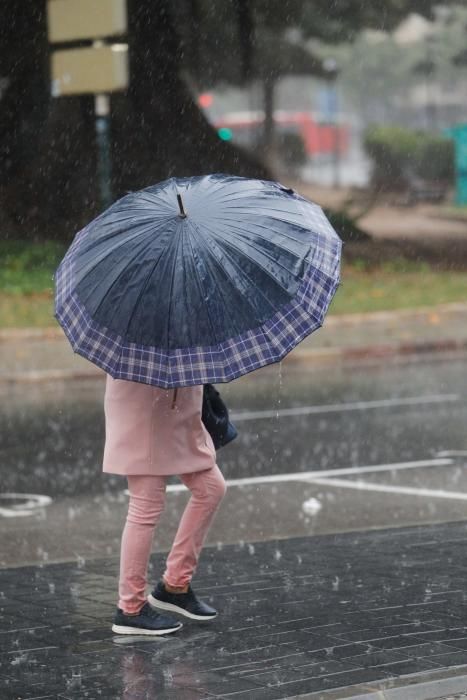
{"x":214,"y":41}
{"x":26,"y":310}
{"x":399,"y":153}
{"x":26,"y":268}
{"x":363,"y":289}
{"x":383,"y":289}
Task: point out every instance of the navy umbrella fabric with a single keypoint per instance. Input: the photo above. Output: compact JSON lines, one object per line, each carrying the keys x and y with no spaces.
{"x":197,"y":280}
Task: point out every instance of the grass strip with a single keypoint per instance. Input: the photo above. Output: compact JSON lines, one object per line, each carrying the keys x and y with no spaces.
{"x":360,"y":292}
{"x":26,"y":285}
{"x":380,"y":290}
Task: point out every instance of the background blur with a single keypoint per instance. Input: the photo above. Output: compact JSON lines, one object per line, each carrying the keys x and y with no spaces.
{"x":346,"y":505}
{"x":360,"y":106}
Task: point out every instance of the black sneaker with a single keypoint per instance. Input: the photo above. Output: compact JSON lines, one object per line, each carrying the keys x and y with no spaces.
{"x":148,"y":621}
{"x":186,"y":604}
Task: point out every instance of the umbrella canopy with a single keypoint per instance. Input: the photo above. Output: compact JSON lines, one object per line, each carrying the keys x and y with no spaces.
{"x":197,"y":280}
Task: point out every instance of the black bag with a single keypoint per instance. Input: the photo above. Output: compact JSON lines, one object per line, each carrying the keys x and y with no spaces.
{"x":215,"y":417}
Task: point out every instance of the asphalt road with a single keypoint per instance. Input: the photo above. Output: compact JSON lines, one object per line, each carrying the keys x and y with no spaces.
{"x":322,"y":450}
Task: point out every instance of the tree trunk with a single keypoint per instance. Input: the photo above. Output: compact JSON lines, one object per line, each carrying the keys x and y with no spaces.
{"x":47,"y":154}
{"x":159,"y":131}
{"x":269,"y":139}
{"x":24,"y":88}
{"x":48,"y":165}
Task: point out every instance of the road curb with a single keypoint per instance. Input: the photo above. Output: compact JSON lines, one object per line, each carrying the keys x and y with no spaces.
{"x":51,"y":375}
{"x":371,"y":317}
{"x":14,"y":334}
{"x":375,"y":352}
{"x":351,"y":349}
{"x":332,"y":321}
{"x":313,"y":358}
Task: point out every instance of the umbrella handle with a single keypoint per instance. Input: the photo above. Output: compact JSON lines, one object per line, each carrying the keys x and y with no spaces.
{"x":180,"y":204}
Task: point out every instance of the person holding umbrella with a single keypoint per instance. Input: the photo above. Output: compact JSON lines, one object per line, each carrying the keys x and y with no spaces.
{"x":152,"y":433}
{"x":191,"y":281}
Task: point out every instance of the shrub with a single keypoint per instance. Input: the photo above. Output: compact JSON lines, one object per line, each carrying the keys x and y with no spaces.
{"x":399,"y":153}
{"x":27,"y":267}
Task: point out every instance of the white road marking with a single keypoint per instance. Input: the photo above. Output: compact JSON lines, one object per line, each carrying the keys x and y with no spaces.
{"x":311,"y":476}
{"x":396,"y":466}
{"x":452,"y":453}
{"x":389,"y":488}
{"x":32,"y":502}
{"x":240,"y":416}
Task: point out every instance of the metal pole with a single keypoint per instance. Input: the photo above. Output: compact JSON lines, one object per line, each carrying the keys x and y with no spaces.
{"x":331,"y":70}
{"x":104,"y":164}
{"x":336,"y":150}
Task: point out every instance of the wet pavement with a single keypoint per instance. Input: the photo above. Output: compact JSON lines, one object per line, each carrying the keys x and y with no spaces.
{"x":320,"y":582}
{"x":317,"y":452}
{"x":307,"y":616}
{"x":53,"y":433}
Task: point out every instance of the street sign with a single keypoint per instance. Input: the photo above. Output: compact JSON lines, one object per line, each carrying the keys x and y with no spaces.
{"x":97,"y":70}
{"x":69,"y":20}
{"x":90,"y":70}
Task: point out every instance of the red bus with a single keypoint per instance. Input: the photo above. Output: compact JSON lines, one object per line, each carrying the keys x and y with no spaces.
{"x":318,"y":138}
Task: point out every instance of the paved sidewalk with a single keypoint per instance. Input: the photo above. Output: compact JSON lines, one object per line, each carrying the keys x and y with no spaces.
{"x":34,"y":355}
{"x":376,"y":616}
{"x":424,"y":222}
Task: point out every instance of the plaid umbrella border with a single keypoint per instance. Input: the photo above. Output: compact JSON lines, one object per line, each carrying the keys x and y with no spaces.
{"x":224,"y":362}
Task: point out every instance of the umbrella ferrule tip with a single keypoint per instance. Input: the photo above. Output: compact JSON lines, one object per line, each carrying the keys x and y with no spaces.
{"x":182,"y":213}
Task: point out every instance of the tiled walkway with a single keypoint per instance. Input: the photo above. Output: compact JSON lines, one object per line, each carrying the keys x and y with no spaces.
{"x":298,"y":616}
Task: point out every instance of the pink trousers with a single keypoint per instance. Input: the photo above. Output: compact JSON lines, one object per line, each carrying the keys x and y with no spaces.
{"x":147,"y":499}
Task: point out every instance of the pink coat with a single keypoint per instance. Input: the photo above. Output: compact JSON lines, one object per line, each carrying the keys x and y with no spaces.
{"x":146,"y":435}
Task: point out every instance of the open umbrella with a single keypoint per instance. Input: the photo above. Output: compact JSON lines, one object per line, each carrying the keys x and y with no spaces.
{"x":197,"y":280}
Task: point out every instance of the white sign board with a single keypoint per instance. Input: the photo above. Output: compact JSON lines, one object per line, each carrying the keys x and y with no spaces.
{"x":90,"y":70}
{"x":69,"y":20}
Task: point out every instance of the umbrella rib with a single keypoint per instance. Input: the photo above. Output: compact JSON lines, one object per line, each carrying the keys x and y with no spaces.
{"x":146,"y":282}
{"x":177,"y":238}
{"x":285,"y":235}
{"x":217,"y":263}
{"x":259,"y":210}
{"x":232,"y":262}
{"x":200,"y":284}
{"x":87,"y":245}
{"x":265,"y":253}
{"x":216,"y":188}
{"x":99,"y":260}
{"x":207,"y":228}
{"x":115,"y":280}
{"x":118,"y":244}
{"x":246,"y":192}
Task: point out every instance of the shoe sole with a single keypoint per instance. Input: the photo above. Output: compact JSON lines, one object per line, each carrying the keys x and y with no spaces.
{"x":123,"y":629}
{"x":154,"y":603}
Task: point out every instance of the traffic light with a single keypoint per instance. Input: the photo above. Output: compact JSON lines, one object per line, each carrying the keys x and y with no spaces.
{"x":225,"y":134}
